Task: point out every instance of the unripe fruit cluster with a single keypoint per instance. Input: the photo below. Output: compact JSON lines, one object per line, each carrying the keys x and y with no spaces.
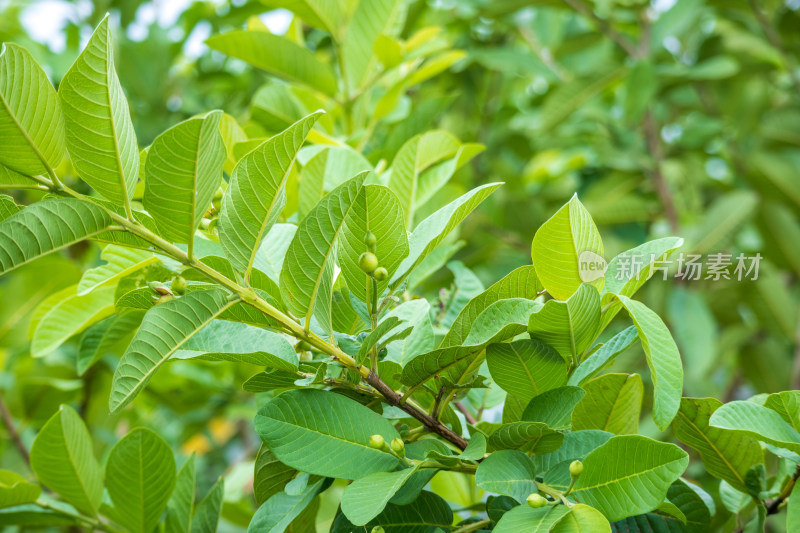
{"x":368,"y":261}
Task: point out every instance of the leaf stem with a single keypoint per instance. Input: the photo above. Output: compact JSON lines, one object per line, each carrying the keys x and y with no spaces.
{"x":474,"y":526}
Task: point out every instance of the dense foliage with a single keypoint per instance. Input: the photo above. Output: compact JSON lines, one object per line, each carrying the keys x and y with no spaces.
{"x":265,"y":317}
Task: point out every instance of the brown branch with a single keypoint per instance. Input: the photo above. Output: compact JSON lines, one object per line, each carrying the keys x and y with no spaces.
{"x":604,"y":26}
{"x":654,"y":147}
{"x":775,"y":505}
{"x":775,"y":40}
{"x":13,"y":434}
{"x":471,"y":419}
{"x":428,"y":421}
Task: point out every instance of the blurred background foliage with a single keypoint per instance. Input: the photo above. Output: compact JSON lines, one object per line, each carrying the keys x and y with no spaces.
{"x":669,"y":117}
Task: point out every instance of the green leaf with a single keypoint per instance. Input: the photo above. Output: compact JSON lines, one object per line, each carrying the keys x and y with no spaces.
{"x":369,"y":20}
{"x":577,"y":445}
{"x":140,"y":477}
{"x":48,"y":226}
{"x":207,"y":514}
{"x":99,"y":132}
{"x":663,"y":359}
{"x":69,"y":316}
{"x":613,"y":403}
{"x":553,"y":407}
{"x":271,"y":380}
{"x":424,"y":515}
{"x":793,"y":509}
{"x":307,"y":272}
{"x":375,"y":210}
{"x":432,"y":231}
{"x":183,"y":171}
{"x":416,"y":155}
{"x":528,"y":437}
{"x":164,"y":329}
{"x":629,"y":475}
{"x":31,"y":122}
{"x":257,"y":194}
{"x":628,"y":271}
{"x":366,"y":497}
{"x":325,"y":434}
{"x":278,"y":56}
{"x":524,"y":518}
{"x":326,"y":170}
{"x":759,"y":422}
{"x":561,"y":244}
{"x":526,"y":368}
{"x":569,"y":326}
{"x":222,"y":340}
{"x":271,"y":253}
{"x":120,"y":261}
{"x":582,"y":518}
{"x":520,"y":283}
{"x":500,"y":321}
{"x":181,"y":503}
{"x":107,"y":336}
{"x":726,"y":454}
{"x":14,"y":490}
{"x":8,"y":207}
{"x":62,"y":459}
{"x":603,"y":355}
{"x":270,"y":475}
{"x":277,"y":513}
{"x":329,"y":16}
{"x":507,"y":472}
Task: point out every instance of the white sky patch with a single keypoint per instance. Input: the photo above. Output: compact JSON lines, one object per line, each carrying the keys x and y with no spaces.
{"x":277,"y":20}
{"x":44,"y":20}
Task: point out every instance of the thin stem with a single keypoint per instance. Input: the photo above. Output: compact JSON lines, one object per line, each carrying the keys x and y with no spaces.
{"x":475,"y":526}
{"x":471,"y":419}
{"x":19,"y":186}
{"x":775,"y":505}
{"x":13,"y":434}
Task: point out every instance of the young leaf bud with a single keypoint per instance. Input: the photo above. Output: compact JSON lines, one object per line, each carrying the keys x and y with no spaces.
{"x":179,"y":285}
{"x":377,"y":442}
{"x":368,"y":262}
{"x":380,"y":274}
{"x":575,"y":469}
{"x":535,"y":501}
{"x":164,"y":298}
{"x":398,"y":447}
{"x":159,"y":288}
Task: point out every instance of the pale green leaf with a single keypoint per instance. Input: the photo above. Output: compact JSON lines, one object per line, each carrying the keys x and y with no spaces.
{"x":120,"y":262}
{"x":507,"y":472}
{"x":526,"y":368}
{"x":207,"y":513}
{"x":140,"y":477}
{"x":520,"y":283}
{"x":793,"y":509}
{"x":329,"y":15}
{"x":8,"y":207}
{"x":561,"y":244}
{"x":528,"y":437}
{"x":603,"y":355}
{"x":164,"y":329}
{"x":726,"y":454}
{"x":366,"y":497}
{"x":14,"y":490}
{"x":62,"y":459}
{"x":69,"y":316}
{"x":48,"y":226}
{"x":99,"y":132}
{"x":324,"y":171}
{"x":307,"y":272}
{"x":31,"y":121}
{"x":375,"y":210}
{"x":370,"y":19}
{"x":181,"y":503}
{"x":582,"y":519}
{"x":107,"y":336}
{"x":277,"y":513}
{"x":222,"y":340}
{"x":257,"y":194}
{"x":569,"y":326}
{"x":325,"y":434}
{"x":524,"y":518}
{"x":758,"y":422}
{"x":613,"y":403}
{"x":183,"y":171}
{"x":278,"y":56}
{"x":270,"y":255}
{"x":430,"y":233}
{"x":663,"y":358}
{"x":629,"y":475}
